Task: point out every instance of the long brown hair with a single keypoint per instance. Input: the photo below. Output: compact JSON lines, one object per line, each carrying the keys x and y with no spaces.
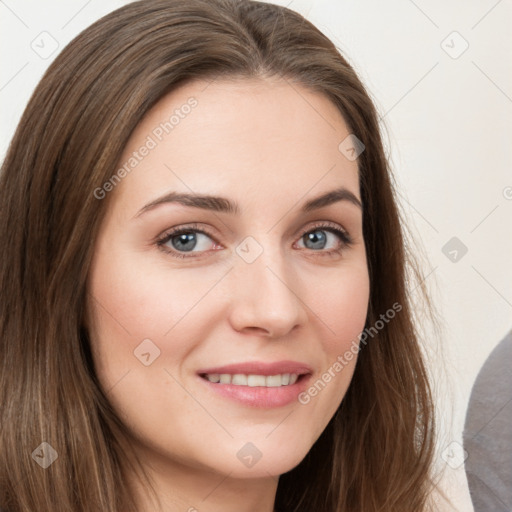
{"x":376,"y":452}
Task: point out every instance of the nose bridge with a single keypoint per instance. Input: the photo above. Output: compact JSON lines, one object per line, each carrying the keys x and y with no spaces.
{"x":264,"y":294}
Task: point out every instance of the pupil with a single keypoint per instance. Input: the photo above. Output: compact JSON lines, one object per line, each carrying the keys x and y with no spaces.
{"x":186,"y":238}
{"x":318,"y":241}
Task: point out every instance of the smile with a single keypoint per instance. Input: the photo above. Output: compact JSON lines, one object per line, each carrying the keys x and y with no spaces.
{"x":239,"y":379}
{"x":257,"y":384}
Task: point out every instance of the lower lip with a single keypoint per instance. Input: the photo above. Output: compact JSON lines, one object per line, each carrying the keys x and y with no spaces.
{"x":259,"y":396}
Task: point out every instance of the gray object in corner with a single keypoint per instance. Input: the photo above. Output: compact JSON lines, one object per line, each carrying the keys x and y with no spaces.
{"x":488,"y":433}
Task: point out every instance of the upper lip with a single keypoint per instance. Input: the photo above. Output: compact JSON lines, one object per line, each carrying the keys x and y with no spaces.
{"x":260,"y":368}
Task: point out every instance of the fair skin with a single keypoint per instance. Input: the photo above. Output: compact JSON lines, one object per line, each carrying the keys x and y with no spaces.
{"x":270,"y":148}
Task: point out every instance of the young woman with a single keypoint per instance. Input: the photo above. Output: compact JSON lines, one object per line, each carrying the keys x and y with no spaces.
{"x":203,"y":277}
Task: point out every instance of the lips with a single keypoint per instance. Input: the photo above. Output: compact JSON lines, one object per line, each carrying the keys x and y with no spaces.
{"x":258,"y":384}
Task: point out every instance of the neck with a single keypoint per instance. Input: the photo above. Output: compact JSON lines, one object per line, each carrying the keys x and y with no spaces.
{"x":181,"y":488}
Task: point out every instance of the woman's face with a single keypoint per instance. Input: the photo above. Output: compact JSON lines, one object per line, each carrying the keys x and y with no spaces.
{"x":256,"y":290}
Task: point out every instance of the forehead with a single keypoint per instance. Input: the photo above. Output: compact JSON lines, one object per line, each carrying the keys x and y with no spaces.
{"x":248,"y":139}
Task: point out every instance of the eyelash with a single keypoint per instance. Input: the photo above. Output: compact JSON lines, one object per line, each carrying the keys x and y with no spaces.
{"x":346,"y":239}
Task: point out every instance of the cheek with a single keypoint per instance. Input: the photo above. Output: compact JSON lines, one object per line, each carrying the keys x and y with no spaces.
{"x":341,"y":311}
{"x":145,"y":299}
{"x":133,"y":299}
{"x":342,"y":308}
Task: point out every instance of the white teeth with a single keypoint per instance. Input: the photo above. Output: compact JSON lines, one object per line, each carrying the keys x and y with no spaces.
{"x":256,"y":380}
{"x":273,"y":381}
{"x":225,"y":378}
{"x":238,"y":379}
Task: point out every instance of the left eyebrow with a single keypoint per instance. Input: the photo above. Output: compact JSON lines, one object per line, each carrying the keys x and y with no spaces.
{"x":225,"y":205}
{"x":339,"y":194}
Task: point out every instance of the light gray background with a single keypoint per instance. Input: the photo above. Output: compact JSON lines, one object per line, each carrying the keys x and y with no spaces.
{"x":447,"y":119}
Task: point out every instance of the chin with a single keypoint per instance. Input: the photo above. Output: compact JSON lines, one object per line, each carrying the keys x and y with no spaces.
{"x":259,"y":459}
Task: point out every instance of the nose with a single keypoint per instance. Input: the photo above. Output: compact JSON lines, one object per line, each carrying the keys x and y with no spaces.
{"x":265,"y":296}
